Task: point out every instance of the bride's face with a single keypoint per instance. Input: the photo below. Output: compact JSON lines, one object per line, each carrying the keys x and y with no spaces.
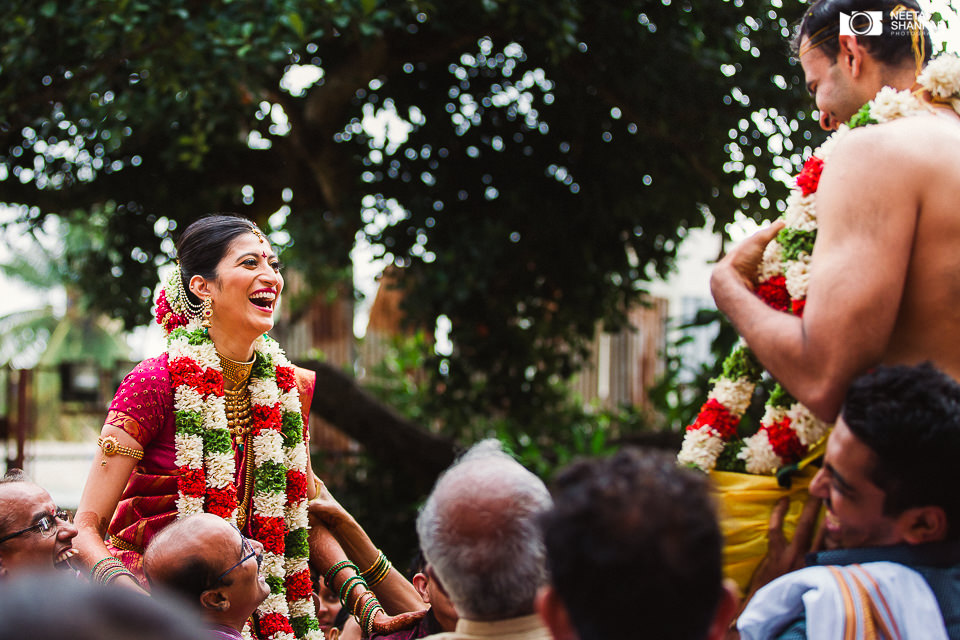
{"x":246,"y":292}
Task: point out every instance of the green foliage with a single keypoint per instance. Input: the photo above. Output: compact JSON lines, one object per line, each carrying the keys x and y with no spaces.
{"x":556,"y":155}
{"x":796,"y":242}
{"x":683,"y":387}
{"x":564,"y":430}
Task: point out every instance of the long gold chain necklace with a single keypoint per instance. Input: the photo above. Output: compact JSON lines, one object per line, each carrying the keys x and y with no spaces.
{"x":236,"y":399}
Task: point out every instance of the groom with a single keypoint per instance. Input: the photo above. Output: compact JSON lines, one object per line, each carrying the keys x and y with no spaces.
{"x":885,"y":273}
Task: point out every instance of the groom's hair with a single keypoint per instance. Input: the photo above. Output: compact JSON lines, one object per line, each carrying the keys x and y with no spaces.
{"x":821,"y":25}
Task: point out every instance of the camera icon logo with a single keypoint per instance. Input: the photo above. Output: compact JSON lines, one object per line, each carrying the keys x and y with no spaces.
{"x":861,"y":23}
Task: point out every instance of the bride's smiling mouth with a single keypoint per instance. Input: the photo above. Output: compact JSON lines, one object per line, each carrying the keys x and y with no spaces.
{"x":264,"y":299}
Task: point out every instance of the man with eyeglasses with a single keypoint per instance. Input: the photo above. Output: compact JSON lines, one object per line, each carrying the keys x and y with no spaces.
{"x":34,"y":534}
{"x":207,"y":560}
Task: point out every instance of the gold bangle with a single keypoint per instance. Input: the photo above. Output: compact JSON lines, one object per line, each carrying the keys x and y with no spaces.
{"x":111,"y":447}
{"x":381,"y":557}
{"x":381,"y":576}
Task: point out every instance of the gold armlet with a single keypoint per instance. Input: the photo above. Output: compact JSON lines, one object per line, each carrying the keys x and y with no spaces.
{"x":112,"y":447}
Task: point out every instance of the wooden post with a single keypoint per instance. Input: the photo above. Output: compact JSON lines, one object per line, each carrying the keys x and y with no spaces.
{"x":22,"y":426}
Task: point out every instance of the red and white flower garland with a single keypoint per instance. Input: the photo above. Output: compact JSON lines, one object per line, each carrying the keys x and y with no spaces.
{"x":206,"y":460}
{"x":788,"y":430}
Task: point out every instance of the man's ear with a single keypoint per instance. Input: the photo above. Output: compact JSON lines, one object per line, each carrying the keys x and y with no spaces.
{"x":420,"y":581}
{"x":726,"y":610}
{"x":851,"y":54}
{"x":923,"y":524}
{"x":554,"y":615}
{"x":214,"y":600}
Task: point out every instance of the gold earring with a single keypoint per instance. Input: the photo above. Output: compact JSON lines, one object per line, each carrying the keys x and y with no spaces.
{"x":207,"y":313}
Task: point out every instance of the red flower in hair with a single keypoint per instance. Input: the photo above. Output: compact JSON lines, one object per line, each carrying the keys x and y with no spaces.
{"x":298,"y":585}
{"x":774,"y":293}
{"x":163,"y":306}
{"x":715,"y":415}
{"x":809,"y":178}
{"x":784,"y":441}
{"x":296,"y":486}
{"x":269,"y":531}
{"x":191,"y":482}
{"x":222,"y":502}
{"x":286,"y":379}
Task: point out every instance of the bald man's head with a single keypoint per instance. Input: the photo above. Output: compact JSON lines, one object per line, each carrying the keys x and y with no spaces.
{"x":209,"y":562}
{"x":187,"y":556}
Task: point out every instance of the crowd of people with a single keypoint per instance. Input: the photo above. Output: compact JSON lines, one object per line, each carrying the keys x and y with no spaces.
{"x":623,"y":546}
{"x":201,"y":516}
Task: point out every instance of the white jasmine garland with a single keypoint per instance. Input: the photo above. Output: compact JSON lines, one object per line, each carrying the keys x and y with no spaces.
{"x":274,"y":603}
{"x":263,"y":393}
{"x":290,"y":402}
{"x":890,"y":104}
{"x":187,"y":399}
{"x":269,"y":504}
{"x":941,"y":77}
{"x":810,"y":430}
{"x":214,"y":413}
{"x":296,"y":519}
{"x":268,"y":446}
{"x":273,"y":564}
{"x":701,"y":447}
{"x":826,"y":149}
{"x":758,"y":454}
{"x":800,"y":213}
{"x":206,"y":356}
{"x":733,"y":394}
{"x":773,"y":414}
{"x":176,"y":347}
{"x":221,"y":470}
{"x":189,"y":450}
{"x":798,"y":276}
{"x":293,"y":565}
{"x":189,"y":505}
{"x":771,"y":265}
{"x":300,"y":608}
{"x":295,"y":457}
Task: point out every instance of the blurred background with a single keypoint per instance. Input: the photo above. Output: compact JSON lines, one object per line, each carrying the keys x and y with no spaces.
{"x":497,"y":216}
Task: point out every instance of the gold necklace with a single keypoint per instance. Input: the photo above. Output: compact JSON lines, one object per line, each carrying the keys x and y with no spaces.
{"x":237,"y":400}
{"x":236,"y":372}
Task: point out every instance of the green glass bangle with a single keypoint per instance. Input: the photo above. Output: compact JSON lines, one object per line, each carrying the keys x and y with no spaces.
{"x":335,"y":569}
{"x":367,"y":606}
{"x":348,"y":586}
{"x":370,"y":618}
